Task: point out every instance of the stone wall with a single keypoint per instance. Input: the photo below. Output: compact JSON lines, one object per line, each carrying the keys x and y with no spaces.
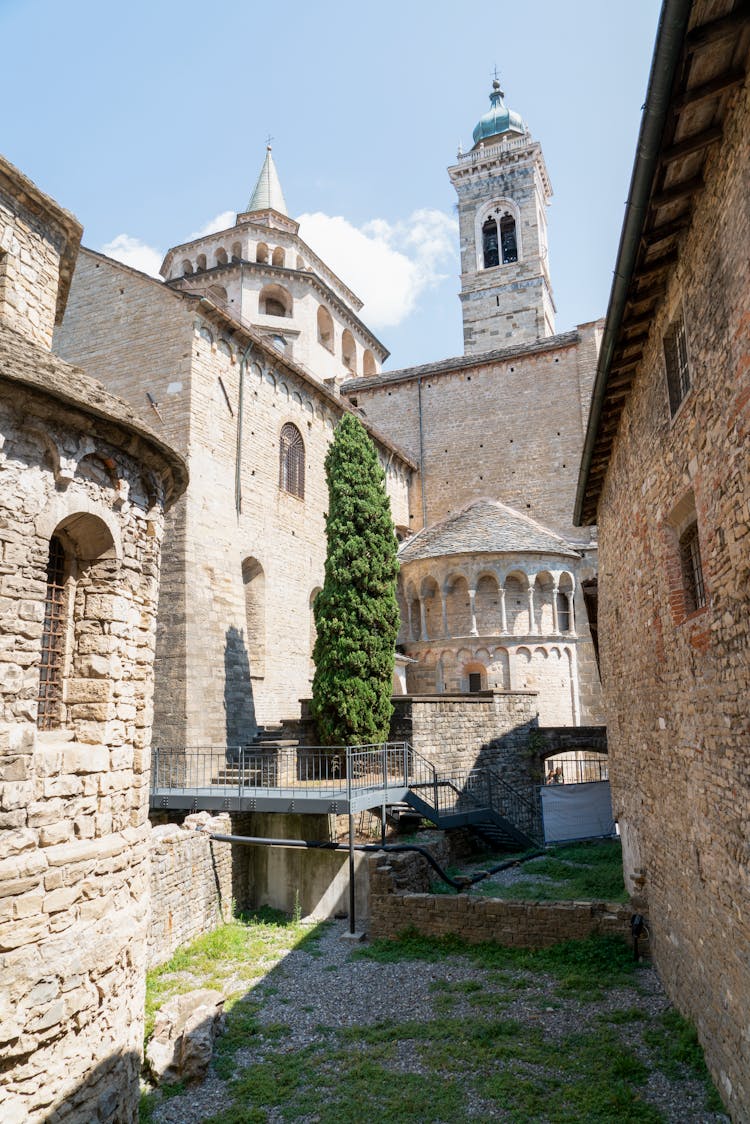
{"x":467,"y":731}
{"x":677,"y":681}
{"x":191,"y":883}
{"x":517,"y":924}
{"x":74,"y":893}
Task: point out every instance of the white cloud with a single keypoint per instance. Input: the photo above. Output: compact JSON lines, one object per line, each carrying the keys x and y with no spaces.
{"x":388,"y":265}
{"x":222,"y":221}
{"x":131,"y":251}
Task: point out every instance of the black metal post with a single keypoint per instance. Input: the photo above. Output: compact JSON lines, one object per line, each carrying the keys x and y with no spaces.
{"x":351,"y":874}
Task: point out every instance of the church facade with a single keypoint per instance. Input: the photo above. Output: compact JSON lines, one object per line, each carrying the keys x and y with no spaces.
{"x":249,"y":353}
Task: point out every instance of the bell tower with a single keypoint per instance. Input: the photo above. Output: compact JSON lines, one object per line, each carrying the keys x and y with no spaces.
{"x":503,"y":191}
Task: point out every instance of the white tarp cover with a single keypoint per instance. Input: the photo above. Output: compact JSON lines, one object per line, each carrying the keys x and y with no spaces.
{"x":576,"y":811}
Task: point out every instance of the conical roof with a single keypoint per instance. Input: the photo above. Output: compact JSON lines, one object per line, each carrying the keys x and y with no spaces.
{"x":268,"y":194}
{"x":484,"y":527}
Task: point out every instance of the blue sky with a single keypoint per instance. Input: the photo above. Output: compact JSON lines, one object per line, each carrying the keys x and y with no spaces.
{"x":149,"y":120}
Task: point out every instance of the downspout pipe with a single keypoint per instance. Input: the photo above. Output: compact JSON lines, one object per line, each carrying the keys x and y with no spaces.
{"x":670,"y":37}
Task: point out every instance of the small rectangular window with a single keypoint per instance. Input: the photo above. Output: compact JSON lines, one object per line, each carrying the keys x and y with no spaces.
{"x":692,"y":569}
{"x":676,"y":362}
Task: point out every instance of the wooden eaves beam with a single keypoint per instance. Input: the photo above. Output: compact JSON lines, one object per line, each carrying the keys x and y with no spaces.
{"x":690,"y":145}
{"x":720,"y":28}
{"x":717,"y":85}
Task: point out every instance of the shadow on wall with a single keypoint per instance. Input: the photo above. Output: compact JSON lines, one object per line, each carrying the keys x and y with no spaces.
{"x":108,"y":1094}
{"x":239,"y":705}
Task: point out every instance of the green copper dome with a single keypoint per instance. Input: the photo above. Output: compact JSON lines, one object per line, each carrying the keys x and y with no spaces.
{"x":499,"y":120}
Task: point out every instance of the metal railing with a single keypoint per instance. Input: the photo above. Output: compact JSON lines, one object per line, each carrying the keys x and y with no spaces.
{"x":312,"y":770}
{"x":581,"y":770}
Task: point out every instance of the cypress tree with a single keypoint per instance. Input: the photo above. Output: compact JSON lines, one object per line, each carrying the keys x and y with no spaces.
{"x":356,"y":612}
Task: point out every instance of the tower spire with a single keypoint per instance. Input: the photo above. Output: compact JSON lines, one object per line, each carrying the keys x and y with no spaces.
{"x":267,"y":194}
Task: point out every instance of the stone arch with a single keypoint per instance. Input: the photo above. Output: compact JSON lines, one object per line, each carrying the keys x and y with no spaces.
{"x":275,"y":300}
{"x":278,"y":257}
{"x":261,"y":252}
{"x":200,"y":263}
{"x":497,"y":234}
{"x":487,"y":605}
{"x":566,"y":603}
{"x":457,"y":605}
{"x":292,"y":461}
{"x":221,"y":257}
{"x":187,"y":267}
{"x":369,"y":370}
{"x":544,"y":602}
{"x":80,"y":600}
{"x":498,"y":670}
{"x":349,"y":351}
{"x":236,"y":251}
{"x":517,"y":603}
{"x":254,"y":587}
{"x":91,"y":526}
{"x":473,"y":676}
{"x":432,"y":607}
{"x":325,"y":328}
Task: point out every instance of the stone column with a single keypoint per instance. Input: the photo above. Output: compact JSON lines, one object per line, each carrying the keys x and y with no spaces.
{"x":423,"y":619}
{"x":555,"y":622}
{"x":571,"y":613}
{"x":473,"y":612}
{"x":532,"y":620}
{"x":503,"y":618}
{"x":409,"y":621}
{"x":444,"y":606}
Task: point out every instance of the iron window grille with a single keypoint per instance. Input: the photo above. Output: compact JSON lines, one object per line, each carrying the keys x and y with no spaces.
{"x":53,"y":640}
{"x":676,"y":363}
{"x":692,"y":569}
{"x":292,"y":461}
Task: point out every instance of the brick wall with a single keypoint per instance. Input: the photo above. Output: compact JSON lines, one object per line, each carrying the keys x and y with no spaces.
{"x":191,"y":883}
{"x":677,"y":685}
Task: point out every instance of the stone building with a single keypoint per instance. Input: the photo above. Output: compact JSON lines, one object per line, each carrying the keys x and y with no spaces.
{"x":495,"y":582}
{"x":666,"y":474}
{"x":83,"y":488}
{"x":245,"y":548}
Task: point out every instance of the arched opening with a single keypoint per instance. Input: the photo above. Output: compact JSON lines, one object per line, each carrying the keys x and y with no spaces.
{"x":565,"y":604}
{"x":368,"y":364}
{"x":544,"y":598}
{"x":274,"y":300}
{"x":292,"y":461}
{"x":300,"y":262}
{"x":349,"y":351}
{"x":236,"y":251}
{"x":487,"y":606}
{"x":414,"y":619}
{"x":187,"y":268}
{"x":458,"y":606}
{"x":474,"y":677}
{"x":313,"y":629}
{"x":278,"y":256}
{"x":433,"y":609}
{"x":325,"y":328}
{"x":254,"y":585}
{"x":508,"y":241}
{"x":261,"y":252}
{"x":81,"y":561}
{"x":200,"y":262}
{"x":517,"y":604}
{"x":490,"y":244}
{"x":498,"y":670}
{"x":221,"y":256}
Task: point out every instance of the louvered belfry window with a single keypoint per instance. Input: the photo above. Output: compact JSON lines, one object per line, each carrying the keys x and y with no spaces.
{"x":292,"y":461}
{"x":53,"y":640}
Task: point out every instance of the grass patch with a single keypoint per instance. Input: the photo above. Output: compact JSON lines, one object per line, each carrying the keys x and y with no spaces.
{"x":583,"y":871}
{"x":678,"y":1053}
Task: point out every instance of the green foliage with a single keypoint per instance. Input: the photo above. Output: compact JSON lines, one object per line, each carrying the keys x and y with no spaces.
{"x":576,"y":872}
{"x":356,"y":612}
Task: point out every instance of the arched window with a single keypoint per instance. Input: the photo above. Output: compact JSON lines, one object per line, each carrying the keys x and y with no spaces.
{"x":274,"y":301}
{"x":508,"y":242}
{"x":292,"y":461}
{"x":349,"y":351}
{"x":278,"y":256}
{"x":200,"y":262}
{"x":221,"y":256}
{"x":489,"y":244}
{"x":261,"y":253}
{"x":325,"y":328}
{"x":49,"y":713}
{"x":187,"y":268}
{"x":254,"y":584}
{"x":236,"y":251}
{"x":368,"y":364}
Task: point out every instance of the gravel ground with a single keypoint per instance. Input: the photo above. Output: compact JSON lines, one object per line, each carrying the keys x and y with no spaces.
{"x":326,"y":987}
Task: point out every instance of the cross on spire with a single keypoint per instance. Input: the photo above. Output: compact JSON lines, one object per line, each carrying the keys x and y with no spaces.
{"x":269,"y":138}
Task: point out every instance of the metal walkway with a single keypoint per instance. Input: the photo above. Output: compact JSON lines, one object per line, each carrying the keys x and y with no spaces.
{"x":341,"y":781}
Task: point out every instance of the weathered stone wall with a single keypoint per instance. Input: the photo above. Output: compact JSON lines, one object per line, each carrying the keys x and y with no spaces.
{"x":467,"y":731}
{"x":191,"y":883}
{"x":231,"y":654}
{"x":517,"y":924}
{"x":30,"y":252}
{"x":507,"y":424}
{"x":74,"y":895}
{"x":677,"y":683}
